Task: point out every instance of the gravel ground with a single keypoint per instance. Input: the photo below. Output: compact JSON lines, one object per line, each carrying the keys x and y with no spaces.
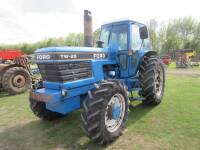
{"x":184,"y":72}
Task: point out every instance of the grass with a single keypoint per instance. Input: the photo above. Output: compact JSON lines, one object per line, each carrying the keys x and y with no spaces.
{"x":174,"y":124}
{"x":172,"y":65}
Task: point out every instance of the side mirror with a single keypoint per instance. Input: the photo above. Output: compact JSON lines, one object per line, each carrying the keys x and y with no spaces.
{"x":143,"y":32}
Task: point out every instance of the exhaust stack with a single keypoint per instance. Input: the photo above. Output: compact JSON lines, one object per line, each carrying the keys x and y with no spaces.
{"x":88,"y":37}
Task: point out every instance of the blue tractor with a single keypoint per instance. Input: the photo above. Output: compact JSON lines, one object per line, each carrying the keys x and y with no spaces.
{"x":99,"y":80}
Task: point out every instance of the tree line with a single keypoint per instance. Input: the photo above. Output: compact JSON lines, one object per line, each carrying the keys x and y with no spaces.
{"x":73,"y":39}
{"x":179,"y":33}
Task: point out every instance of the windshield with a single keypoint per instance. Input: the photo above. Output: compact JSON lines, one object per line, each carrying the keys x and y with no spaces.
{"x":115,"y":37}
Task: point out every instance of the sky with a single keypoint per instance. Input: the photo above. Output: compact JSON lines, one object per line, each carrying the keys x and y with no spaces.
{"x":35,"y":20}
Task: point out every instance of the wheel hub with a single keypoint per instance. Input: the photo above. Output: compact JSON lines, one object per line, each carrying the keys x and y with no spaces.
{"x":19,"y":81}
{"x":115,"y":112}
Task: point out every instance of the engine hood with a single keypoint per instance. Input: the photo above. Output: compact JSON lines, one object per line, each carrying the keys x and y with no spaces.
{"x":70,"y":53}
{"x":70,"y":49}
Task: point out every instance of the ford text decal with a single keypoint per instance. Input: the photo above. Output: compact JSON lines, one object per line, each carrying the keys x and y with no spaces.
{"x":43,"y":57}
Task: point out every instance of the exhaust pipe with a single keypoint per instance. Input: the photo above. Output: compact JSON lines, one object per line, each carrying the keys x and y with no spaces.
{"x":88,"y":34}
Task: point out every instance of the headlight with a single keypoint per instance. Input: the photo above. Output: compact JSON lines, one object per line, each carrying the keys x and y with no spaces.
{"x":112,"y":73}
{"x":64,"y":92}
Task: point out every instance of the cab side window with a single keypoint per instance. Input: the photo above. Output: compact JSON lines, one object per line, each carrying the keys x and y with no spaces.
{"x":147,"y":44}
{"x":136,"y":41}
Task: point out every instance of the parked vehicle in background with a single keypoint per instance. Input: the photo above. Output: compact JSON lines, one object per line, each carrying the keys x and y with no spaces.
{"x":165,"y":59}
{"x":15,"y":72}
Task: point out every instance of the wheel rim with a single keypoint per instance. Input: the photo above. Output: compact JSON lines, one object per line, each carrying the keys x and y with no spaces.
{"x":19,"y":81}
{"x":115,"y":112}
{"x":159,"y":81}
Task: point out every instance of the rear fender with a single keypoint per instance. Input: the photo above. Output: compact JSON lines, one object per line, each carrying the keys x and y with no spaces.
{"x":146,"y":53}
{"x":150,"y":53}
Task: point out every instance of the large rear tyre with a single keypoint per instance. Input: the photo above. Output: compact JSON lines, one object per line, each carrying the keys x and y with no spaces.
{"x":16,"y":80}
{"x":39,"y":109}
{"x":152,"y":80}
{"x":105,"y":112}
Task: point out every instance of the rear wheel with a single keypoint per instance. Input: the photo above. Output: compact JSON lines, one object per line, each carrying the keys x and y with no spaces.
{"x":16,"y":80}
{"x":105,"y":112}
{"x":152,"y":80}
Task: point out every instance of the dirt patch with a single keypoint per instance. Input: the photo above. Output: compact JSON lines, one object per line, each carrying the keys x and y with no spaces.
{"x":184,"y":72}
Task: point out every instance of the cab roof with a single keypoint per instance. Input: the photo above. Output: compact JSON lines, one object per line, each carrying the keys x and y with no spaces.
{"x":122,"y":21}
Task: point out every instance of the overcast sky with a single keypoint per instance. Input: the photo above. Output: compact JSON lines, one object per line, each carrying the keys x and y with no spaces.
{"x":34,"y":20}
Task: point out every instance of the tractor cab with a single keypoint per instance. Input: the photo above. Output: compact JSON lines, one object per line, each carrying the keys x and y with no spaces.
{"x":123,"y":35}
{"x":125,"y":39}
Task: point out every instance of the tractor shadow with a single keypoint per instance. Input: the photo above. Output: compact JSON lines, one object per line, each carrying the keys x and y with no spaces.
{"x":138,"y":111}
{"x":65,"y":133}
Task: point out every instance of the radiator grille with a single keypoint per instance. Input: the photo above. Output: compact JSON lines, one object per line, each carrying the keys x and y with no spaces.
{"x":66,"y":71}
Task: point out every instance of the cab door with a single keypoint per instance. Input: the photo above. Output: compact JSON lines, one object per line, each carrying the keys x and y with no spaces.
{"x":119,"y":42}
{"x":125,"y":40}
{"x":135,"y":46}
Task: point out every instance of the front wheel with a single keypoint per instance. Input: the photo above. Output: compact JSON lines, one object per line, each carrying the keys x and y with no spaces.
{"x":39,"y":109}
{"x":105,"y":112}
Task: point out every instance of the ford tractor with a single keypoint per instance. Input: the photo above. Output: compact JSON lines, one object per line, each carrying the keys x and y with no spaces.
{"x":99,"y":80}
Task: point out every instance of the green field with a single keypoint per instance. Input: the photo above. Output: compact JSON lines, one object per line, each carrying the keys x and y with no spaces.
{"x":174,"y":124}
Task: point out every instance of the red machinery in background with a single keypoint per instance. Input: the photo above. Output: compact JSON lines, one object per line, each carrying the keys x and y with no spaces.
{"x":9,"y":54}
{"x":165,"y":59}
